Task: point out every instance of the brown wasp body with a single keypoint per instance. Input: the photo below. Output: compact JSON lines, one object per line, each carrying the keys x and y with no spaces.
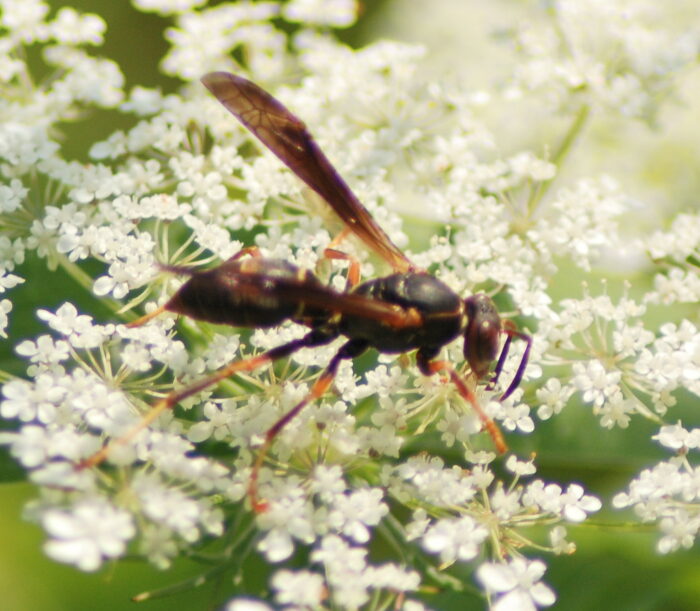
{"x":405,"y":311}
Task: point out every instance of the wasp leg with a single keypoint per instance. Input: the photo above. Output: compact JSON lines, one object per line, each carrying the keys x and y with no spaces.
{"x":331,"y":252}
{"x":253,"y":251}
{"x":142,"y":320}
{"x":348,"y":350}
{"x":353,"y":268}
{"x":342,"y":235}
{"x":429,"y":367}
{"x":314,"y":338}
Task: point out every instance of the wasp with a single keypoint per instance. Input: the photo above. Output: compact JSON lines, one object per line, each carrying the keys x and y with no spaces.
{"x":408,"y":310}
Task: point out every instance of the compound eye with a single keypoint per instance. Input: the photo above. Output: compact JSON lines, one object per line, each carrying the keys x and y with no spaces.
{"x":482,"y":335}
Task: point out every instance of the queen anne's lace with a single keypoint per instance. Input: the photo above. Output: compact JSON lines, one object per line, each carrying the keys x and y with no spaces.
{"x":390,"y":456}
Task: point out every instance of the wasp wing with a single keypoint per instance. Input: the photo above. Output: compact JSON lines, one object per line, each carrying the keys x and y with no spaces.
{"x":287,"y":137}
{"x":350,"y":304}
{"x":258,"y":295}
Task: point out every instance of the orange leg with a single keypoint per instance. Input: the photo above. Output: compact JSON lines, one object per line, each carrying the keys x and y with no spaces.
{"x":332,"y":252}
{"x":335,"y":242}
{"x":146,"y":317}
{"x":429,"y":367}
{"x":349,"y":350}
{"x":253,"y":251}
{"x":311,"y":339}
{"x":353,"y":269}
{"x":465,"y":391}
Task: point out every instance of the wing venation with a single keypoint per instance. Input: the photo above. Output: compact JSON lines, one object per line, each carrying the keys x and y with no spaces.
{"x":287,"y":137}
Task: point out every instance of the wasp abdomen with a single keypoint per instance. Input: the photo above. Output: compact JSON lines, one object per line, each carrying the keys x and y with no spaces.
{"x":242,"y":293}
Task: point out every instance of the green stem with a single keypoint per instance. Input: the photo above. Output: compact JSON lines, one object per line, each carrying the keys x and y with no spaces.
{"x":85,"y":281}
{"x":74,"y":271}
{"x":559,"y":156}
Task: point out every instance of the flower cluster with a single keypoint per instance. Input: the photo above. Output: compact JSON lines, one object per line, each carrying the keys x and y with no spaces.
{"x":669,"y":493}
{"x":622,"y":60}
{"x":390,"y":459}
{"x":679,"y":250}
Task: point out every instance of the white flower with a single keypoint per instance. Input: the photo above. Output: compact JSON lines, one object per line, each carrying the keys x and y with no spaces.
{"x":384,"y":440}
{"x":383,"y":381}
{"x":351,"y":514}
{"x":334,"y":13}
{"x":88,"y":533}
{"x":676,"y":437}
{"x":216,"y":423}
{"x":8,"y":281}
{"x":679,"y":241}
{"x":34,"y":446}
{"x":69,"y":27}
{"x":595,"y":382}
{"x":286,"y":518}
{"x":222,"y":349}
{"x":328,"y":482}
{"x":520,"y":468}
{"x":666,"y":494}
{"x":680,"y":530}
{"x":557,"y":538}
{"x":575,"y":505}
{"x":553,"y":397}
{"x":27,"y":401}
{"x":245,"y":604}
{"x":454,"y":539}
{"x":11,"y":196}
{"x":616,"y":410}
{"x":392,"y":577}
{"x":80,"y":329}
{"x":517,"y":584}
{"x":158,"y":545}
{"x":24,"y":17}
{"x":438,"y":485}
{"x":142,"y":101}
{"x":5,"y":309}
{"x":298,"y":588}
{"x":45,"y":350}
{"x":516,"y":417}
{"x":506,"y":504}
{"x":458,"y":427}
{"x":169,"y":507}
{"x":186,"y":182}
{"x":168,"y":7}
{"x":345,"y":568}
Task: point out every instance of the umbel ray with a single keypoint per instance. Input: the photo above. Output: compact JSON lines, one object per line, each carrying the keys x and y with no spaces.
{"x":405,"y":311}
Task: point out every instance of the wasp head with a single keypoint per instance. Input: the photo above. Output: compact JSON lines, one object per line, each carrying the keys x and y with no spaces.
{"x":482,"y":333}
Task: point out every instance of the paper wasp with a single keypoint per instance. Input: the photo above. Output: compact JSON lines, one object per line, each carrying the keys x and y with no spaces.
{"x":405,"y":311}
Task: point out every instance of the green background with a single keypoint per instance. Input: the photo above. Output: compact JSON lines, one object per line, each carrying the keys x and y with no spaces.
{"x":615,"y":567}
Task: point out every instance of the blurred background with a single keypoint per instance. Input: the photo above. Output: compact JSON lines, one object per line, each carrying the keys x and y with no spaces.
{"x":614,"y":567}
